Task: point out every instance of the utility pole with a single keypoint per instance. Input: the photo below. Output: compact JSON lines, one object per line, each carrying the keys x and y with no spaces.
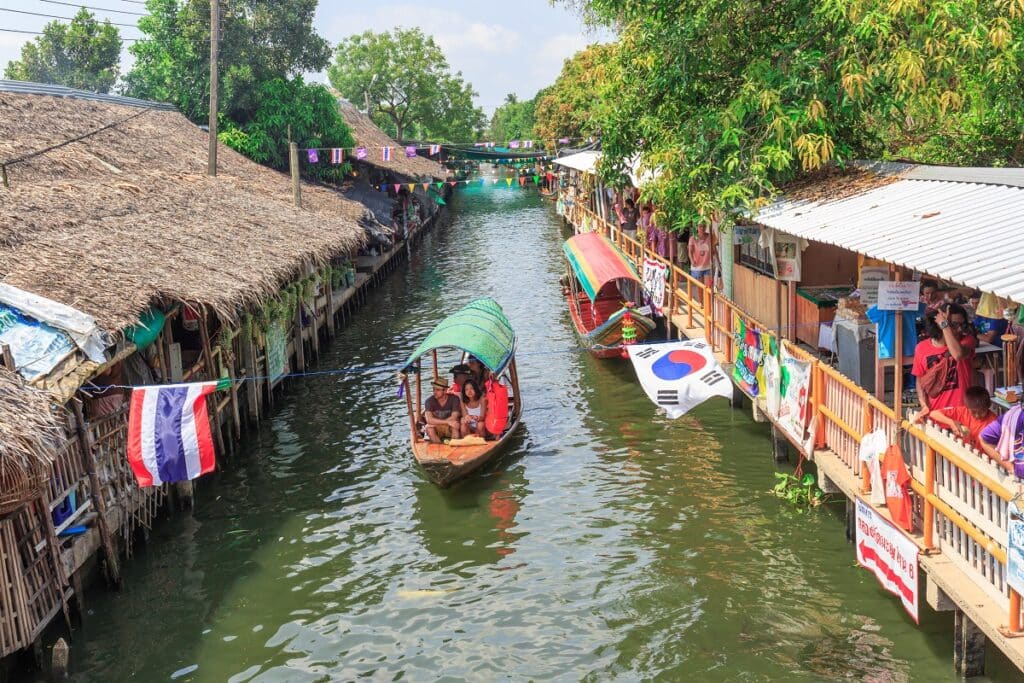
{"x":211,"y":168}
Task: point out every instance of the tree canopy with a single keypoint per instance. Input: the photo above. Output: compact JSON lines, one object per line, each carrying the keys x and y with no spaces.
{"x":261,"y":40}
{"x":513,"y":120}
{"x":568,"y":109}
{"x":410,"y":87}
{"x":730,"y":98}
{"x":82,"y":53}
{"x":308,"y":111}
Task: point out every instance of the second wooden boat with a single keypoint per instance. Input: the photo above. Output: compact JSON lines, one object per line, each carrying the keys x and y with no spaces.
{"x":601,"y":286}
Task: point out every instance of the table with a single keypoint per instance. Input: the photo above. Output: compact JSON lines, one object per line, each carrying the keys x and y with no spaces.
{"x":814,"y":306}
{"x":988,"y":354}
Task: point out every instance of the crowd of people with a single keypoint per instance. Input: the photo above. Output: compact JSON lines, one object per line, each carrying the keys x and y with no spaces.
{"x":641,"y":224}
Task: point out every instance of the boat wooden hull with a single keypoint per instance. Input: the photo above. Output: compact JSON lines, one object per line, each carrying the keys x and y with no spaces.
{"x":445,"y":465}
{"x":600,"y":327}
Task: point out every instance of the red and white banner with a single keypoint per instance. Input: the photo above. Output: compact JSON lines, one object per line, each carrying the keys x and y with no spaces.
{"x":885,"y":550}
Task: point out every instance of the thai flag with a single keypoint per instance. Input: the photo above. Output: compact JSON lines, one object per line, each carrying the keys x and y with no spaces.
{"x":169,"y":433}
{"x":528,"y":144}
{"x":435,"y":149}
{"x":385,"y":153}
{"x":337,"y":155}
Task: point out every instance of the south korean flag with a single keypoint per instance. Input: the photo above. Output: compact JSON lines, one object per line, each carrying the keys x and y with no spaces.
{"x":679,"y":375}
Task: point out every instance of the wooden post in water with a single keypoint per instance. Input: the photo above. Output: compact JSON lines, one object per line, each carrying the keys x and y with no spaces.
{"x":96,"y":493}
{"x":293,"y":164}
{"x":204,"y":334}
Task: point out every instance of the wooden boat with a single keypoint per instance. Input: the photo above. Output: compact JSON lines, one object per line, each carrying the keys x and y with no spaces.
{"x":479,"y":329}
{"x":550,"y":194}
{"x":601,"y":286}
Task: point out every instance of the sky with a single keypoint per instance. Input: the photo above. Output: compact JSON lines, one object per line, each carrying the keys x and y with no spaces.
{"x":500,"y":47}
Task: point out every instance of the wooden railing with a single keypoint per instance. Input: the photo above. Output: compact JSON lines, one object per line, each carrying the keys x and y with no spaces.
{"x":960,"y":496}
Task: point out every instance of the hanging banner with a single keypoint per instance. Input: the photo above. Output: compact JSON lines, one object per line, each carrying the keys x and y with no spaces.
{"x":277,"y":352}
{"x":786,"y":253}
{"x":1015,"y":546}
{"x":795,"y":386}
{"x":748,"y":358}
{"x":655,"y":273}
{"x":772,"y":384}
{"x":884,"y":550}
{"x":680,"y":375}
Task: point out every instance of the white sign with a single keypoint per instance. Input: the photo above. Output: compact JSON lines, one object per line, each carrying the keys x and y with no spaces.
{"x":898,"y":296}
{"x":654,"y":283}
{"x":786,"y":252}
{"x":679,"y":376}
{"x":795,"y":388}
{"x":870,"y":276}
{"x":1015,"y":547}
{"x":884,"y":550}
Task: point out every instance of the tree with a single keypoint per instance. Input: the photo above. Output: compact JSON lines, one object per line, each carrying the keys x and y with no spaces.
{"x":308,"y":110}
{"x":81,"y":54}
{"x":513,"y":120}
{"x":729,"y":99}
{"x":261,"y":40}
{"x":568,"y":108}
{"x":404,"y":76}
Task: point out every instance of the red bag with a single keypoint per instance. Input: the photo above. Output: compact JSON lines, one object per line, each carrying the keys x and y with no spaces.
{"x":933,"y":381}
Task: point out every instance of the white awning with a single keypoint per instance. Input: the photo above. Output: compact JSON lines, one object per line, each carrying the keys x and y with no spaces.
{"x":958,"y":224}
{"x":581,"y":161}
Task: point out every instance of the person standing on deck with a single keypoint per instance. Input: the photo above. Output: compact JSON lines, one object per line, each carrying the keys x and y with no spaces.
{"x":948,"y":343}
{"x":699,"y":250}
{"x":627,"y":218}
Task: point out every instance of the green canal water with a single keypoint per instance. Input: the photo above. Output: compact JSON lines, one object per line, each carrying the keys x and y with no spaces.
{"x":610,"y":544}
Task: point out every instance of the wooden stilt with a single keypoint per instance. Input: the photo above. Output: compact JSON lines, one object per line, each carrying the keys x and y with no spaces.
{"x":96,"y":494}
{"x":204,"y":334}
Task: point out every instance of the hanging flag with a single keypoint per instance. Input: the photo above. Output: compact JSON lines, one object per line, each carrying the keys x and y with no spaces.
{"x":563,"y":141}
{"x":410,"y":152}
{"x":169,"y":432}
{"x":436,"y":149}
{"x":337,"y":155}
{"x":385,"y":153}
{"x":522,"y":181}
{"x":412,"y":187}
{"x":361,"y":153}
{"x":679,"y":376}
{"x":426,"y":185}
{"x":513,"y":144}
{"x":398,"y":188}
{"x":490,"y":144}
{"x":312,"y":156}
{"x":479,"y":144}
{"x":453,"y":183}
{"x":536,"y":180}
{"x":528,"y":144}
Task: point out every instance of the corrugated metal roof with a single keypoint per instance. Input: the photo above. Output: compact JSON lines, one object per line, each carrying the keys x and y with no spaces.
{"x":970,"y":233}
{"x":26,"y":88}
{"x":581,"y":161}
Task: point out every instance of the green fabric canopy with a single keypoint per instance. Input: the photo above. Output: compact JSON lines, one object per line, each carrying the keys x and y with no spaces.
{"x":480,"y":329}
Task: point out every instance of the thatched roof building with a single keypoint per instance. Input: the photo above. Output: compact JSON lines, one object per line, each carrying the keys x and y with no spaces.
{"x":367,"y":134}
{"x":127,"y":217}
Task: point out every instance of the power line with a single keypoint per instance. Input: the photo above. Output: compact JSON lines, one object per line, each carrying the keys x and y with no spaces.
{"x":54,"y":16}
{"x":98,"y":9}
{"x":40,"y":33}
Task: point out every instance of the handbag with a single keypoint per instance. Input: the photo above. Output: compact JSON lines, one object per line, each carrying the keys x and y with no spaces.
{"x":933,"y":381}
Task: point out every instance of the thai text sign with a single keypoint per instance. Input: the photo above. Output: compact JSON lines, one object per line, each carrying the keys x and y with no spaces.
{"x":898,"y":296}
{"x":654,"y":283}
{"x":1015,"y":548}
{"x":884,"y":550}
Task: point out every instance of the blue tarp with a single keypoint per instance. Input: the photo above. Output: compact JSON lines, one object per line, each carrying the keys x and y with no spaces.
{"x":36,"y":346}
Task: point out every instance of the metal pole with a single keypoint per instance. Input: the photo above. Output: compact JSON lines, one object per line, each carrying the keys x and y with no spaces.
{"x":214,"y":54}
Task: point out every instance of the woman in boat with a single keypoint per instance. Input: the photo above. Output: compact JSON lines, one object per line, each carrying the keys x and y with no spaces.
{"x":477,"y":372}
{"x":474,"y":409}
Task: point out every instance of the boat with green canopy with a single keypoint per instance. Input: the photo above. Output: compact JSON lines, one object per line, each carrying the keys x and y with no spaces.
{"x":600,"y":286}
{"x":479,"y":333}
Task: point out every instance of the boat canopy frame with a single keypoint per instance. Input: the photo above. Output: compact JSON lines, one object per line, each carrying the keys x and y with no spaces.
{"x":480,"y":329}
{"x":595,"y":261}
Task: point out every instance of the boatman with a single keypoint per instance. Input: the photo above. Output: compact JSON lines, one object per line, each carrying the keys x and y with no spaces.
{"x":442,"y":412}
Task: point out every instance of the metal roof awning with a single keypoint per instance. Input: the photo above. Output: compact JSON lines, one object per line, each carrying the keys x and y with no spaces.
{"x":581,"y":161}
{"x":966,"y":232}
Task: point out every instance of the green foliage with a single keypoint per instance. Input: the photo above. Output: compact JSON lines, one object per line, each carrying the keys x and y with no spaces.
{"x":569,"y":107}
{"x":311,"y":112}
{"x":410,"y":86}
{"x":729,"y":99}
{"x":83,"y":54}
{"x":801,"y":493}
{"x":261,"y":40}
{"x":513,"y":120}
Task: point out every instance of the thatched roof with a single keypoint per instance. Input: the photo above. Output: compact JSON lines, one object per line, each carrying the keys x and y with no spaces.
{"x":128,"y":217}
{"x":368,"y":135}
{"x":30,"y":436}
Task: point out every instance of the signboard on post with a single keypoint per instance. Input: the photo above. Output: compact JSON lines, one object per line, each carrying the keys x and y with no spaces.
{"x":884,"y":550}
{"x":898,"y":295}
{"x":1015,"y":546}
{"x":654,"y":283}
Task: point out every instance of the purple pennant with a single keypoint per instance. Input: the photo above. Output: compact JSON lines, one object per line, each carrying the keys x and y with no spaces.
{"x":360,"y":152}
{"x":410,"y":152}
{"x":514,"y":144}
{"x":313,"y":156}
{"x":563,"y":141}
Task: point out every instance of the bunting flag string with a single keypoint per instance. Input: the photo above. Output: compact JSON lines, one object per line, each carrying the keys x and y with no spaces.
{"x":480,"y":182}
{"x":336,"y":155}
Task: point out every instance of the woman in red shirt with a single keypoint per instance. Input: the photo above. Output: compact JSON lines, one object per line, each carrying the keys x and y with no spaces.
{"x":947,"y":337}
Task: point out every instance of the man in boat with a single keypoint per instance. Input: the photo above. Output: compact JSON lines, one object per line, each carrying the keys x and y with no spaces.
{"x":442,"y":413}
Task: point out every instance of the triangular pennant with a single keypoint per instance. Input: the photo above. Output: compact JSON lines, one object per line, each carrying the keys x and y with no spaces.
{"x":412,"y":187}
{"x":426,"y":185}
{"x":508,"y":181}
{"x":536,"y":180}
{"x":440,"y":184}
{"x":522,"y":180}
{"x":397,"y":187}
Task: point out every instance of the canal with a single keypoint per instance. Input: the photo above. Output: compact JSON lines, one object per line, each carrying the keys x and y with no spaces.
{"x":610,"y":544}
